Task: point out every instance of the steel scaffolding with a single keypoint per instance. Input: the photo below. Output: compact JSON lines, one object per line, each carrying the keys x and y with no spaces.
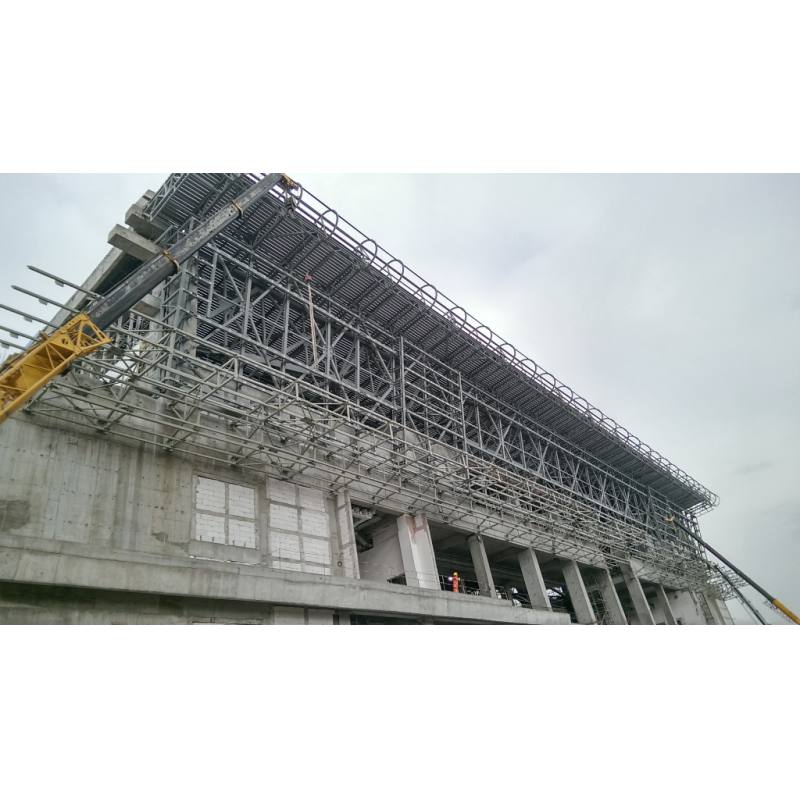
{"x":294,"y":346}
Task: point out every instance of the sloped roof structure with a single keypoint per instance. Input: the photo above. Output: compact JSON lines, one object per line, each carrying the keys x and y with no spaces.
{"x":351,"y":269}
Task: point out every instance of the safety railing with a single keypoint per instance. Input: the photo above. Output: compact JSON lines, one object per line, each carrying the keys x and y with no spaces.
{"x":467,"y":587}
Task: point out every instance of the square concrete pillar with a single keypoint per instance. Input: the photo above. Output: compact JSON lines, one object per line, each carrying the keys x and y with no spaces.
{"x":416,"y":549}
{"x":577,"y":593}
{"x":714,"y":608}
{"x":644,"y":616}
{"x":616,"y":616}
{"x":727,"y":619}
{"x":663,"y":606}
{"x":534,"y":582}
{"x":348,"y":551}
{"x":481,"y":564}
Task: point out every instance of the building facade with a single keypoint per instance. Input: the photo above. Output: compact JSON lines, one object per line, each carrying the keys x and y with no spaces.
{"x":296,"y":428}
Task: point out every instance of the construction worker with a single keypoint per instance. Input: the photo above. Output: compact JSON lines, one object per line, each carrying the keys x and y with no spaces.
{"x":455,"y":580}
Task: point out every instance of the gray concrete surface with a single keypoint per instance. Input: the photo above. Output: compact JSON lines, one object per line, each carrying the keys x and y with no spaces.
{"x":132,"y":243}
{"x":644,"y":616}
{"x":81,"y":511}
{"x":577,"y":594}
{"x":611,"y":600}
{"x":686,"y":607}
{"x":480,"y":562}
{"x":69,"y":564}
{"x":663,"y":608}
{"x":532,"y":575}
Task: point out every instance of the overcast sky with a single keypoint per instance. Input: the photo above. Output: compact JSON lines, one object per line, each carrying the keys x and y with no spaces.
{"x":670,"y":302}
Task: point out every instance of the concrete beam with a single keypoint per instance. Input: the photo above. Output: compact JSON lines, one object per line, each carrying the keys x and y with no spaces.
{"x":663,"y":607}
{"x":132,"y":243}
{"x":148,"y":305}
{"x":644,"y":616}
{"x":481,"y":564}
{"x":577,"y":593}
{"x":57,"y":563}
{"x":611,"y":599}
{"x":135,"y":218}
{"x":532,"y":575}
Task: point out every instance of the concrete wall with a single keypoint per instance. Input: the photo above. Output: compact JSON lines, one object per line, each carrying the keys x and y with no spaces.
{"x":57,"y":566}
{"x":123,"y":526}
{"x":45,"y":605}
{"x":301,"y":525}
{"x":401,"y":546}
{"x":686,"y":608}
{"x":719,"y":611}
{"x":81,"y":488}
{"x":384,"y":559}
{"x":658,"y":614}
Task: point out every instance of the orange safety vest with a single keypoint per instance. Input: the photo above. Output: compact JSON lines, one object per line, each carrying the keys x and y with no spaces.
{"x":456,"y":581}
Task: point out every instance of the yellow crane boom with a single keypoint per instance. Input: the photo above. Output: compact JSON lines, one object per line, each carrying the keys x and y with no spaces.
{"x":23,"y":375}
{"x":746,"y":578}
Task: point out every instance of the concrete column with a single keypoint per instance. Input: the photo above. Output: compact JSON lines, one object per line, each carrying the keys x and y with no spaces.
{"x":644,"y":616}
{"x":705,"y":608}
{"x":577,"y":593}
{"x":348,"y":552}
{"x":714,"y":608}
{"x":663,"y":606}
{"x":534,"y":582}
{"x":481,"y":564}
{"x":611,"y":599}
{"x":416,"y":549}
{"x":727,"y":619}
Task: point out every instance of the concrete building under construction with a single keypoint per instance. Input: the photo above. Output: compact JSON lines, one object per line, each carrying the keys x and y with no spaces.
{"x":294,"y":427}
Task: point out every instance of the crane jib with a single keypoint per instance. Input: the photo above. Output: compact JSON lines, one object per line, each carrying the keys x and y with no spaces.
{"x":137,"y":285}
{"x":22,"y":376}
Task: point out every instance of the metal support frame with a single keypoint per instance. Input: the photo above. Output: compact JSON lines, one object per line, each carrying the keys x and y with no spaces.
{"x":236,"y":369}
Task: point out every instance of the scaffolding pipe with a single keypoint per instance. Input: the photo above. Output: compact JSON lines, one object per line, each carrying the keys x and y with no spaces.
{"x":746,"y":578}
{"x":23,"y":376}
{"x":741,"y":597}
